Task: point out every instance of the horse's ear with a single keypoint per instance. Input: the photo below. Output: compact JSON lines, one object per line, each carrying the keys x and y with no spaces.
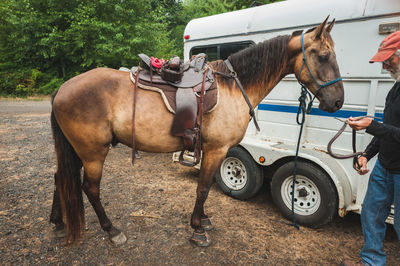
{"x":320,"y":29}
{"x":330,"y":26}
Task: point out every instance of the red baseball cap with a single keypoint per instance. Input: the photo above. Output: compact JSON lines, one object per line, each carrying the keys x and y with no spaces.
{"x":387,"y":48}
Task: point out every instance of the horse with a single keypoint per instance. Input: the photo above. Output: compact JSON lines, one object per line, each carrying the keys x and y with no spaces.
{"x":93,"y":110}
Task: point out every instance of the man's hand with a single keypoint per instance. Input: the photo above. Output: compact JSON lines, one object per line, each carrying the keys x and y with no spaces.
{"x":362,"y":161}
{"x":359,"y":123}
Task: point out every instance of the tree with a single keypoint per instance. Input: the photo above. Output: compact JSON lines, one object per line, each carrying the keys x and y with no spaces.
{"x":42,"y":39}
{"x":44,"y":42}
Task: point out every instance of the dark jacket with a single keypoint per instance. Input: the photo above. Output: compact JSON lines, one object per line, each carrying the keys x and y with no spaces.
{"x":386,"y":139}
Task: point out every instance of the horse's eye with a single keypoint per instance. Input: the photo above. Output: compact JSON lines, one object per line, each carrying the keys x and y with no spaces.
{"x":323,"y":58}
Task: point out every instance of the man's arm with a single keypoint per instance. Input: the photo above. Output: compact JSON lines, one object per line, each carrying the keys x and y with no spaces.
{"x":379,"y":130}
{"x":372,"y":149}
{"x":385,"y":131}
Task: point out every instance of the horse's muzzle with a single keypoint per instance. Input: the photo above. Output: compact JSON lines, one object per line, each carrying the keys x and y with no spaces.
{"x":331,"y":106}
{"x":339,"y":104}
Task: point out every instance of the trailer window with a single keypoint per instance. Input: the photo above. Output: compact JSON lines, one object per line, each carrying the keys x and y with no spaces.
{"x":220,"y":51}
{"x":210,"y":51}
{"x":228,"y":49}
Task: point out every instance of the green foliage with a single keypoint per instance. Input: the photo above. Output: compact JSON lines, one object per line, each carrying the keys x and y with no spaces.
{"x":201,"y":8}
{"x":45,"y":42}
{"x":26,"y":82}
{"x":51,"y":86}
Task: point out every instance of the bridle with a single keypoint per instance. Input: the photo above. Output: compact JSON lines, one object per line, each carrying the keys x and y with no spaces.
{"x":303,"y":86}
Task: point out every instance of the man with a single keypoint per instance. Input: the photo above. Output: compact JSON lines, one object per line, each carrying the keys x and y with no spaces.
{"x":384,"y":181}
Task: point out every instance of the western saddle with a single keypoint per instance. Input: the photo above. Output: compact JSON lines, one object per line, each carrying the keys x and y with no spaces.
{"x":189,"y":82}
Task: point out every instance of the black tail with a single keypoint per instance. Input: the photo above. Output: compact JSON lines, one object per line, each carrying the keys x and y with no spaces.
{"x":68,"y":181}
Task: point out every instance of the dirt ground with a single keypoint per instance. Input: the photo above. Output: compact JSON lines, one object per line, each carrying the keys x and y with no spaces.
{"x":152,"y":203}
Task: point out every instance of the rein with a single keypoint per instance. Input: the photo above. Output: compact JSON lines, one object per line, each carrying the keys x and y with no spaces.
{"x":355,"y":155}
{"x":304,"y":109}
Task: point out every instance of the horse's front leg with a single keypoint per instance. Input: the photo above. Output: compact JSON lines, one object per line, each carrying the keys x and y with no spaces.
{"x":200,"y":222}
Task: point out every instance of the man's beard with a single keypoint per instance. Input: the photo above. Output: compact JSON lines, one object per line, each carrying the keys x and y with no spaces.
{"x":395,"y":73}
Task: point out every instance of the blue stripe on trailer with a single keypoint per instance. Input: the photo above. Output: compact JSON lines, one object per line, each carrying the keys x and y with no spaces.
{"x":314,"y":111}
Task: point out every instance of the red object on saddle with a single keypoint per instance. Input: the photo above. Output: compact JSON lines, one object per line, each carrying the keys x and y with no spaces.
{"x":157,"y":63}
{"x":387,"y":47}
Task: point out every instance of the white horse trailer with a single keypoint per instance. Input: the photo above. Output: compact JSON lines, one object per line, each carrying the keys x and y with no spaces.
{"x":325,"y":186}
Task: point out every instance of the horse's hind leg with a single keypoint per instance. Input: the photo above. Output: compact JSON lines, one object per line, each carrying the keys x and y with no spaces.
{"x":200,"y":221}
{"x":56,"y":213}
{"x":91,"y":186}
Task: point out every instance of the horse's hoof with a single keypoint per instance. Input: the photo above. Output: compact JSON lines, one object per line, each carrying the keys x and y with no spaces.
{"x":60,"y":232}
{"x":206,"y":224}
{"x":119,"y":239}
{"x":201,"y":239}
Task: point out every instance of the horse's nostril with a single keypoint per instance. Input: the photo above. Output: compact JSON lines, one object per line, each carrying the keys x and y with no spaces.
{"x":338,"y":103}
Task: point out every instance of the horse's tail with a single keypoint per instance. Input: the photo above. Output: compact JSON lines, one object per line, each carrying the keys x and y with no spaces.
{"x":68,"y":180}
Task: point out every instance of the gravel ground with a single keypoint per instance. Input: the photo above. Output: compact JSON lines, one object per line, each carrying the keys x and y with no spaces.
{"x":152,"y":204}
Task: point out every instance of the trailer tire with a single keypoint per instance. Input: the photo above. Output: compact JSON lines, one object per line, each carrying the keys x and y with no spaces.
{"x":239,"y":175}
{"x":316,"y":200}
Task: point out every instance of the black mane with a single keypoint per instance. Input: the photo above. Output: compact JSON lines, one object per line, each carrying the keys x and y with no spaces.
{"x":265,"y":59}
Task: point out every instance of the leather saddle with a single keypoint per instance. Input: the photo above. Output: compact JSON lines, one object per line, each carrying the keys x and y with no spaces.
{"x":190,"y":73}
{"x":188,"y":82}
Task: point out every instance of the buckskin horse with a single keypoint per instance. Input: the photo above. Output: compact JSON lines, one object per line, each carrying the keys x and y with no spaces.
{"x":94,"y":110}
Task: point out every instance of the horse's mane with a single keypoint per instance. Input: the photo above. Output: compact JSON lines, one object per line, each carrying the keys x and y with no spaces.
{"x":265,"y":59}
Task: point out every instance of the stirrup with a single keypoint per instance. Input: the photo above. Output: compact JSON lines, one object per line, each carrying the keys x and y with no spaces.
{"x":188,"y":163}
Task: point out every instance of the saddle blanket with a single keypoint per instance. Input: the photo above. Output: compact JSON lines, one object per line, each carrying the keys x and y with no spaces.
{"x":168,"y":94}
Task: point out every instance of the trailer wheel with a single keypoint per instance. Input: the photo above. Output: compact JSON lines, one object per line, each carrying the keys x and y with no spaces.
{"x":239,"y":175}
{"x":315,"y":200}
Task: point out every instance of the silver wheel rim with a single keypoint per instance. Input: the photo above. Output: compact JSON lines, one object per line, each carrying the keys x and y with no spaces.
{"x":233,"y":173}
{"x":307,"y":197}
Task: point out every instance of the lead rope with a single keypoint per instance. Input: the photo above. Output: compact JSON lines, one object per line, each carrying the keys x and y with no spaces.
{"x":304,"y":109}
{"x":301,"y":110}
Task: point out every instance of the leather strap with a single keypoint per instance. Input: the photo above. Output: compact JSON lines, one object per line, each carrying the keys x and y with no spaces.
{"x":133,"y":115}
{"x":197,"y":145}
{"x":355,"y":155}
{"x":233,"y":74}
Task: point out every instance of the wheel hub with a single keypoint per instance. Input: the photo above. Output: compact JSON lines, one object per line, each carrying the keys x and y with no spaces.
{"x":233,"y":173}
{"x":302,"y":191}
{"x":236,"y":172}
{"x":307,"y":198}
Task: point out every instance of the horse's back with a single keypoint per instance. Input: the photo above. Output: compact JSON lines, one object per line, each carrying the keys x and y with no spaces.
{"x":92,"y":87}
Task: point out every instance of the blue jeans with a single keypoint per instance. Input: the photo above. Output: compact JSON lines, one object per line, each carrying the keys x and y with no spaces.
{"x":383,"y":190}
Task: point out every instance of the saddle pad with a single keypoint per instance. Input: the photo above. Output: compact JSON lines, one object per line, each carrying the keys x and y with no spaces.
{"x":168,"y":94}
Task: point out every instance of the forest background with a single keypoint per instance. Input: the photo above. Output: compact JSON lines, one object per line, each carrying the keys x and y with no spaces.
{"x":45,"y":42}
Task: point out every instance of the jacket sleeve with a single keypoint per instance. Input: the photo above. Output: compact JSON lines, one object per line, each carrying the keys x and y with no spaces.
{"x":382,"y":130}
{"x":372,"y":148}
{"x":385,"y":131}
